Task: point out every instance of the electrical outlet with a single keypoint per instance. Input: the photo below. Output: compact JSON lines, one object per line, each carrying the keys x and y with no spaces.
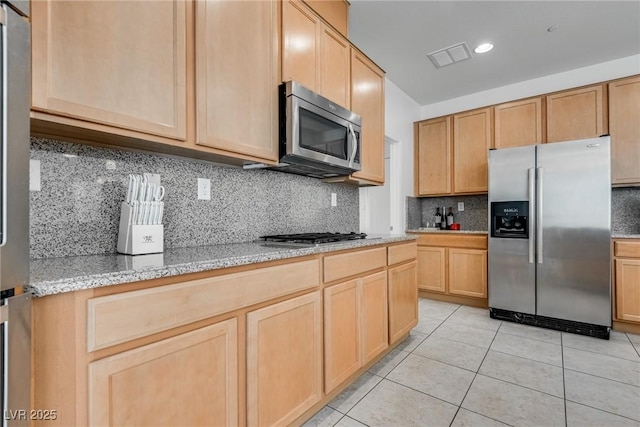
{"x":334,"y":200}
{"x":110,"y":165}
{"x":204,"y":189}
{"x":460,"y":206}
{"x":34,"y":175}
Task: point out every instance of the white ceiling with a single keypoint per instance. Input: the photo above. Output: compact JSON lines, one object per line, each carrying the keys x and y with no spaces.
{"x":397,"y":35}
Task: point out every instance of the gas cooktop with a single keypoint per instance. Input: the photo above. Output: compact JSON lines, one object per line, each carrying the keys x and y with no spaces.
{"x":310,"y":239}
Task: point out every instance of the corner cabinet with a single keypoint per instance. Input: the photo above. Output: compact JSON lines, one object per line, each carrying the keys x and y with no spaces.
{"x":472,"y":139}
{"x":577,"y":114}
{"x":203,"y":362}
{"x":367,"y":100}
{"x":237,"y":77}
{"x":120,"y":66}
{"x":284,"y":370}
{"x":624,"y":127}
{"x":433,"y":144}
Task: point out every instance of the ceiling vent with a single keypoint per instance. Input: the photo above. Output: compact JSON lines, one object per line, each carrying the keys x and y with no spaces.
{"x":450,"y":55}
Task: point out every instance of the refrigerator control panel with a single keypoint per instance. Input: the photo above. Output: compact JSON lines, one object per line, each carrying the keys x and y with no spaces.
{"x":510,"y":220}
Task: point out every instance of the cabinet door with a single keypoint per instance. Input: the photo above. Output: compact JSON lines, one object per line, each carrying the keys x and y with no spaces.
{"x":403,"y":300}
{"x":284,"y":360}
{"x":367,"y":99}
{"x":300,"y":44}
{"x":237,"y":77}
{"x":341,"y":333}
{"x":431,"y":269}
{"x":518,"y":123}
{"x":472,"y":139}
{"x":335,"y":12}
{"x":374,"y":318}
{"x":628,"y":289}
{"x":468,"y":272}
{"x":433,"y":156}
{"x":197,"y":372}
{"x":624,"y":127}
{"x":577,"y":114}
{"x":335,"y":67}
{"x":121,"y":64}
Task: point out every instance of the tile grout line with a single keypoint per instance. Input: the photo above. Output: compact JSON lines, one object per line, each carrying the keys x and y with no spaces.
{"x":602,"y":354}
{"x":475,"y":376}
{"x":602,"y":378}
{"x":637,"y":349}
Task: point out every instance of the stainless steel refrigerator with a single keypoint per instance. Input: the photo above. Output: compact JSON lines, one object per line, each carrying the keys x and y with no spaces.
{"x":549,"y":235}
{"x":15,"y":305}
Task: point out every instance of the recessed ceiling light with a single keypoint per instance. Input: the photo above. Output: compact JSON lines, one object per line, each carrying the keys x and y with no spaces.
{"x":483,"y":48}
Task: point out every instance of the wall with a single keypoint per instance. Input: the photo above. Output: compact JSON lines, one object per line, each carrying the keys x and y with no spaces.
{"x":78,"y":209}
{"x":625,"y":211}
{"x":579,"y":77}
{"x":400,"y":113}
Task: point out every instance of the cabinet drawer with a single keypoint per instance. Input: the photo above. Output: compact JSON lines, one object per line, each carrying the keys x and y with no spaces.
{"x":401,"y":253}
{"x":626,"y":248}
{"x":454,"y":241}
{"x":352,"y":263}
{"x":114,"y":319}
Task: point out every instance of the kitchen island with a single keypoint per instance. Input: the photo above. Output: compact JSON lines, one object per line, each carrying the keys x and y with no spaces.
{"x":236,"y":334}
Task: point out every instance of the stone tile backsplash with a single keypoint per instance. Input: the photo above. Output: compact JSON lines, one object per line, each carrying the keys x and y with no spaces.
{"x":77,"y":212}
{"x":625,"y":210}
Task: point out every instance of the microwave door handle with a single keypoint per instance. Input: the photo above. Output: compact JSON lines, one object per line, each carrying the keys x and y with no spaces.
{"x":354,"y":145}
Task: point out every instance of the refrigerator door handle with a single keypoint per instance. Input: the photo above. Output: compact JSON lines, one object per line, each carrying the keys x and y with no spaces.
{"x":3,"y":124}
{"x":539,"y":177}
{"x":532,"y":219}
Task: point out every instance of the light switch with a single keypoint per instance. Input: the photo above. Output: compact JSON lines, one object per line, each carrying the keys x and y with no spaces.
{"x":460,"y":206}
{"x":334,"y":200}
{"x":34,"y":175}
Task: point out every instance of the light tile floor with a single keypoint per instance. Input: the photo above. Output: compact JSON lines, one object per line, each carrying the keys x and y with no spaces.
{"x":459,"y":367}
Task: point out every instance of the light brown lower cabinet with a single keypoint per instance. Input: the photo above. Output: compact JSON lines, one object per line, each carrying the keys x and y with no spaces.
{"x":189,"y":379}
{"x":403,"y":300}
{"x":284,"y":360}
{"x":453,"y":265}
{"x":356,"y":327}
{"x":246,"y":347}
{"x":627,"y":280}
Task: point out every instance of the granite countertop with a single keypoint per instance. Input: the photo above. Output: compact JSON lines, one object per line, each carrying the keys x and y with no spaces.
{"x":49,"y":276}
{"x":435,"y":230}
{"x":625,"y":235}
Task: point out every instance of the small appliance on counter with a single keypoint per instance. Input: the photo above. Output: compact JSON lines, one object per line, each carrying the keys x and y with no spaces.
{"x":550,"y":235}
{"x":141,"y":230}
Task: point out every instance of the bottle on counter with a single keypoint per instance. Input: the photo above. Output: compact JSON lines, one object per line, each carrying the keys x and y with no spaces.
{"x":438,"y":218}
{"x":449,"y":218}
{"x":443,"y":224}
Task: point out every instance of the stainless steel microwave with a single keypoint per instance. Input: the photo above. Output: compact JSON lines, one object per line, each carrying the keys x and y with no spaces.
{"x":317,"y":137}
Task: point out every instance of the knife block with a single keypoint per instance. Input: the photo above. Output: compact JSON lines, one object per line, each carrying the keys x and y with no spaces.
{"x":138,"y":239}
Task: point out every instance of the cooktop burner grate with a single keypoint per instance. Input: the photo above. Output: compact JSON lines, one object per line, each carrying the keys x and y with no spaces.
{"x":313,"y":238}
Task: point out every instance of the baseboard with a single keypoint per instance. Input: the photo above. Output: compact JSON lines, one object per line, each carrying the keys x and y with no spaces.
{"x":473,"y":302}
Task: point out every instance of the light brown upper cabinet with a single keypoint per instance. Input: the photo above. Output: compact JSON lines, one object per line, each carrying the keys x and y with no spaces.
{"x":577,"y":114}
{"x":237,"y":77}
{"x":519,"y":123}
{"x":472,"y":139}
{"x":624,"y":127}
{"x":367,"y":100}
{"x":335,"y":12}
{"x":313,"y":54}
{"x":433,"y":156}
{"x":300,"y":44}
{"x":335,"y":67}
{"x":119,"y":65}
